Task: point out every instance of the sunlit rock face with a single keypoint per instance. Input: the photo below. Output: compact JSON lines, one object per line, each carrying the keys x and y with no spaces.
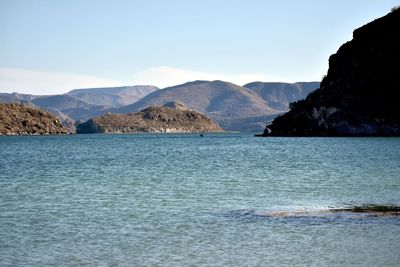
{"x":18,"y":119}
{"x":172,"y":118}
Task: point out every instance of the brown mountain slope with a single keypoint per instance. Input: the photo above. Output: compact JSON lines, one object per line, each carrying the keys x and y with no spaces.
{"x":17,"y":119}
{"x":241,"y":108}
{"x":224,"y":102}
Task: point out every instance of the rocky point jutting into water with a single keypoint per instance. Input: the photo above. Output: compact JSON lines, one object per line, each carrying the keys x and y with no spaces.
{"x":17,"y":119}
{"x":170,"y":118}
{"x":360,"y":94}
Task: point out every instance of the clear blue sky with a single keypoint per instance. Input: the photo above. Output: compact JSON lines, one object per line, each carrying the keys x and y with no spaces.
{"x":53,"y":46}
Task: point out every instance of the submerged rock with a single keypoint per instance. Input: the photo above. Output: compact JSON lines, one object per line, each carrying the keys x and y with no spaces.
{"x":376,"y":210}
{"x":361,"y":211}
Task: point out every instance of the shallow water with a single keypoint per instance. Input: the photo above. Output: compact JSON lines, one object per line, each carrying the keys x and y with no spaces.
{"x":182,"y":200}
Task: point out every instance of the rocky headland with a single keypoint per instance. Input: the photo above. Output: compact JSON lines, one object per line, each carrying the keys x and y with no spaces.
{"x":173,"y":117}
{"x":359,"y":95}
{"x":18,"y":119}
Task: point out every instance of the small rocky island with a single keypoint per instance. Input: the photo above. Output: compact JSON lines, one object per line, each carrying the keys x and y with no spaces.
{"x":18,"y":119}
{"x":173,"y":117}
{"x":360,"y":94}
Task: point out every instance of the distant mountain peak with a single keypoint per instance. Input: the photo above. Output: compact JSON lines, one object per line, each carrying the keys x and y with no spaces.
{"x":175,"y":105}
{"x":114,"y":90}
{"x":196,"y":82}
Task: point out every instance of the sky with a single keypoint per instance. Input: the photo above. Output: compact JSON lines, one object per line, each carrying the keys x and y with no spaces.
{"x":51,"y":47}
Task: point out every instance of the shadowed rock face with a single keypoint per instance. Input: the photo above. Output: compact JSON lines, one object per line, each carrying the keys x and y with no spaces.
{"x":17,"y":119}
{"x":153,"y":119}
{"x":360,"y":94}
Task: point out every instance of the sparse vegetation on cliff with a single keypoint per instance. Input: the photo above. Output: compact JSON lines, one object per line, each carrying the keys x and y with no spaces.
{"x":18,"y":119}
{"x":173,"y":118}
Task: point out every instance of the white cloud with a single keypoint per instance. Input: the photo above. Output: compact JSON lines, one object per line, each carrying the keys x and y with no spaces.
{"x":169,"y":76}
{"x":44,"y":82}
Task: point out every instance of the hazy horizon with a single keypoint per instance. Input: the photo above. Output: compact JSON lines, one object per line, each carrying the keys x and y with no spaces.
{"x":52,"y":47}
{"x":127,"y":85}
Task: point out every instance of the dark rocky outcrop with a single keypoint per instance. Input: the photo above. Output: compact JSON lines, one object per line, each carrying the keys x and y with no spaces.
{"x":18,"y":119}
{"x":172,"y":118}
{"x":361,"y":92}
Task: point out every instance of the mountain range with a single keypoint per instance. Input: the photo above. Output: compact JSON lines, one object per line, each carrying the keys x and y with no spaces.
{"x":233,"y":107}
{"x":81,"y":104}
{"x":113,"y":96}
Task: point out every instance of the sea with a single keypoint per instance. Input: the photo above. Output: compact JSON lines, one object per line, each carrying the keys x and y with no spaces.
{"x":224,"y":199}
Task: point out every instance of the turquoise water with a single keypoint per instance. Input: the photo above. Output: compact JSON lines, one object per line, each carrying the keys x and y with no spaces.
{"x":182,"y":200}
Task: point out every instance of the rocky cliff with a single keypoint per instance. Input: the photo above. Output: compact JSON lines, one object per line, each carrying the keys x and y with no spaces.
{"x":18,"y":119}
{"x":359,"y":95}
{"x":171,"y":118}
